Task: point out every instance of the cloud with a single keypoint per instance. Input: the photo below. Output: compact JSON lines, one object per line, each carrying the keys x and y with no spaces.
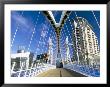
{"x":43,"y":33}
{"x":41,"y":43}
{"x":37,"y":49}
{"x":44,"y":30}
{"x":22,"y":21}
{"x":45,"y":26}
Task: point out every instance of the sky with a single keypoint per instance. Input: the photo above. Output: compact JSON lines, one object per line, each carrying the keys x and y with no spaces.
{"x":31,"y":29}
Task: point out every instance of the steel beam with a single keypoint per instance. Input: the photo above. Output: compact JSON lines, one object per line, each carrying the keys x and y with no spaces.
{"x":57,"y":26}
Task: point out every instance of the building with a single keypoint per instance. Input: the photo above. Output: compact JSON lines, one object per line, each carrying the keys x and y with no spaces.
{"x":86,"y":48}
{"x":42,"y":57}
{"x":21,"y":60}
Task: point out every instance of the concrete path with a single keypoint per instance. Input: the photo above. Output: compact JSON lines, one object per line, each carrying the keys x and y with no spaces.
{"x":60,"y":72}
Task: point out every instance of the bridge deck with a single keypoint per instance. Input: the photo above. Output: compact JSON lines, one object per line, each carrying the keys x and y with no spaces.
{"x":60,"y":72}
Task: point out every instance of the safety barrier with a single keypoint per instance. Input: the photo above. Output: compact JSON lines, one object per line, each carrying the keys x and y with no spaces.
{"x":84,"y":69}
{"x":33,"y":71}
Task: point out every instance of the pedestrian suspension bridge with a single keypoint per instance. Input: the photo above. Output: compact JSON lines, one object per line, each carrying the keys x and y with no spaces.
{"x":52,"y":49}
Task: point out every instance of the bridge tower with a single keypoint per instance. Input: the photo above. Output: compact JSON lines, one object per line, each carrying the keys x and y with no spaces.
{"x":50,"y":51}
{"x":67,"y":59}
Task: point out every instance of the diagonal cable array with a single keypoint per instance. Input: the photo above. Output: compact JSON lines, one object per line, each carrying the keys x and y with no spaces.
{"x":16,"y":31}
{"x":33,"y":33}
{"x":96,"y":19}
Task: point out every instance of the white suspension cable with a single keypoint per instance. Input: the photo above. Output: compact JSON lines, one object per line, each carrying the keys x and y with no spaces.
{"x":15,"y":35}
{"x":75,"y":13}
{"x":16,"y":32}
{"x":33,"y":33}
{"x":96,"y":19}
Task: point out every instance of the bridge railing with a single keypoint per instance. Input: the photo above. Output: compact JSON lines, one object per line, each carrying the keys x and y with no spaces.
{"x":33,"y":71}
{"x":84,"y":69}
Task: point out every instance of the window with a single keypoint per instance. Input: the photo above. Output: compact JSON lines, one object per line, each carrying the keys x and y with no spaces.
{"x":88,"y":29}
{"x":91,"y":51}
{"x":88,"y":39}
{"x":89,"y":36}
{"x":88,"y":32}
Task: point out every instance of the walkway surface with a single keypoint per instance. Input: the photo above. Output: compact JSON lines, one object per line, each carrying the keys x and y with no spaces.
{"x":60,"y":72}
